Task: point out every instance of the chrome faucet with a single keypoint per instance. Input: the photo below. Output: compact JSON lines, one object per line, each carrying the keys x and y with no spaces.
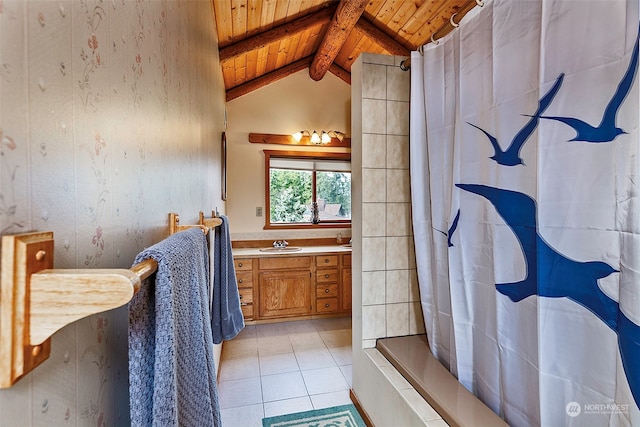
{"x":280,"y":244}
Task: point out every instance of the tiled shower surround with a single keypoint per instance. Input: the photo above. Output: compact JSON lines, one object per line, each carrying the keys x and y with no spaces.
{"x":390,"y":296}
{"x":386,"y":299}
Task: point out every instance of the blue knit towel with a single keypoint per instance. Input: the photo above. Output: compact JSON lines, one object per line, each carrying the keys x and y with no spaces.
{"x":226,"y":315}
{"x":172,"y":378}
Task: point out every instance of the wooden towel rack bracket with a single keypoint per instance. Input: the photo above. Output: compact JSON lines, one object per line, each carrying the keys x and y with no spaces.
{"x":37,"y":300}
{"x":174,"y":224}
{"x":212,"y":222}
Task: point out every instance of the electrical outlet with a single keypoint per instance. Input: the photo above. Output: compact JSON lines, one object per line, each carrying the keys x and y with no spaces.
{"x":259,"y":211}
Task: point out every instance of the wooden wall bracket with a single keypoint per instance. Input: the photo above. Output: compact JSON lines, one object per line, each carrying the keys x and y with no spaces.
{"x":212,"y":222}
{"x":174,"y":225}
{"x":17,"y":355}
{"x":36,"y":301}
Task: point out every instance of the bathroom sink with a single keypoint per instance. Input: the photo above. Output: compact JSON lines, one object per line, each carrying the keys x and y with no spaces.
{"x":281,"y":250}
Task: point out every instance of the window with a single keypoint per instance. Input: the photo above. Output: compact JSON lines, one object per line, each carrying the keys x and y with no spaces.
{"x":295,"y":180}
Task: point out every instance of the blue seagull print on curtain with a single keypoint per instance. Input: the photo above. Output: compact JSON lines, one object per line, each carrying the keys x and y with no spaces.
{"x":607,"y":130}
{"x":550,"y":273}
{"x":452,"y":229}
{"x":554,"y":275}
{"x":511,"y":156}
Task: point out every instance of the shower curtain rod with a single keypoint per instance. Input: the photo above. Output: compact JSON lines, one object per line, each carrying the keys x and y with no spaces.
{"x":446,"y":28}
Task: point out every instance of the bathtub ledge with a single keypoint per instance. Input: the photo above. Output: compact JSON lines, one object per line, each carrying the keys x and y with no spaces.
{"x":411,"y":357}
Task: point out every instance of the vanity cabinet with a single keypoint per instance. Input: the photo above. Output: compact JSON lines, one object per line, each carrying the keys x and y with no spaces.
{"x":279,"y":287}
{"x":284,"y":286}
{"x":244,"y":276}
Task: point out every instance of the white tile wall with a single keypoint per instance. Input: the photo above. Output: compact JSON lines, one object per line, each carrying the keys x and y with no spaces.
{"x":374,"y":219}
{"x":397,"y":319}
{"x":374,"y":148}
{"x":397,"y":289}
{"x":398,"y":219}
{"x":374,"y":116}
{"x":390,"y":297}
{"x":373,"y":287}
{"x":397,"y":151}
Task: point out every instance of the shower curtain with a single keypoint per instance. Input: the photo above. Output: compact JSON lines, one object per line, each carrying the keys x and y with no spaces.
{"x":525,"y":175}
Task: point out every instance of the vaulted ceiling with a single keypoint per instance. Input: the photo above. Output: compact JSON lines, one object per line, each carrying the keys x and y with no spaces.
{"x":262,"y":41}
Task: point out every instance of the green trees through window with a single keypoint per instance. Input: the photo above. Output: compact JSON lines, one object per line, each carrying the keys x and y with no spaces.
{"x":334,"y":188}
{"x":297,"y":179}
{"x":290,"y":195}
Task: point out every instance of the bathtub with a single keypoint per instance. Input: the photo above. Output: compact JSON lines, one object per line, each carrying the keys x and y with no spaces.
{"x":411,"y":356}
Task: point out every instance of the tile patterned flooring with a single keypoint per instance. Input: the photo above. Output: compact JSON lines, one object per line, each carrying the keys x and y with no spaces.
{"x":281,"y":368}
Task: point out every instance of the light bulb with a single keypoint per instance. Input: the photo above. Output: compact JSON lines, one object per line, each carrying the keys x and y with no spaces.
{"x":297,"y":136}
{"x":315,"y":138}
{"x":325,"y":138}
{"x":336,"y":134}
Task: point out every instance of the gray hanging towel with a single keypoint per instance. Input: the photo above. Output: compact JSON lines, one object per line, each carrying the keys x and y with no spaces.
{"x":172,"y":378}
{"x":226,"y":316}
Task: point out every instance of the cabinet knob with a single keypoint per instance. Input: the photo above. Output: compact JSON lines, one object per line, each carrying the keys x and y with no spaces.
{"x":326,"y":260}
{"x":240,"y":296}
{"x":326,"y":276}
{"x":239,"y":264}
{"x":240,"y":281}
{"x":326,"y":291}
{"x":326,"y":305}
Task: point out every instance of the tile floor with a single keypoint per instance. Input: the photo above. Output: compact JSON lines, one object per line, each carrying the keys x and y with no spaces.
{"x":281,"y":368}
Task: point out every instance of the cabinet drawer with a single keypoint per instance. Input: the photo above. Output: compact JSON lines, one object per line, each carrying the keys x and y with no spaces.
{"x":246,"y":296}
{"x":327,"y":260}
{"x":328,"y":275}
{"x":242,"y":264}
{"x":247,"y":311}
{"x":284,"y":263}
{"x":327,"y":305}
{"x":245,"y":279}
{"x":330,"y":290}
{"x":346,"y":260}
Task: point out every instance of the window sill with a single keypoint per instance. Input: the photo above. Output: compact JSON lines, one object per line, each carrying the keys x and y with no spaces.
{"x":307,"y":226}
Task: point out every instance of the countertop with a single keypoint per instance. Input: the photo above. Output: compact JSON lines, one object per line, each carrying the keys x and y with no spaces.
{"x":304,"y":251}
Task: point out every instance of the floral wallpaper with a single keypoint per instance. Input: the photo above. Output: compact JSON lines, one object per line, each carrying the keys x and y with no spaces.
{"x":111,"y":113}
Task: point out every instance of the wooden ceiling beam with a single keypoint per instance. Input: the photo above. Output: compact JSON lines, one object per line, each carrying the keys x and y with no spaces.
{"x":278,"y":33}
{"x":381,"y":38}
{"x":340,"y":73}
{"x":347,"y":15}
{"x":268,"y":78}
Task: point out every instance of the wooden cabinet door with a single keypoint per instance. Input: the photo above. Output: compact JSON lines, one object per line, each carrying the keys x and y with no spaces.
{"x":346,"y":289}
{"x":284,"y":293}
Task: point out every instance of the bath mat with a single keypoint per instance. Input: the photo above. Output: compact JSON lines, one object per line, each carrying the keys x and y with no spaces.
{"x":345,"y":415}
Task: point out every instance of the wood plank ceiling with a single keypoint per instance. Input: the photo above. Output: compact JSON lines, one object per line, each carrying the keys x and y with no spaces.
{"x":262,"y":41}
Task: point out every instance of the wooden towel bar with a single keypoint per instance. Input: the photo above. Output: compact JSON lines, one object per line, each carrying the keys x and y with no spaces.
{"x":37,"y":300}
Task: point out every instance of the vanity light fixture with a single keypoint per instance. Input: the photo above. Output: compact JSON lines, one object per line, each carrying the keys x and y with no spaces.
{"x":319,"y":139}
